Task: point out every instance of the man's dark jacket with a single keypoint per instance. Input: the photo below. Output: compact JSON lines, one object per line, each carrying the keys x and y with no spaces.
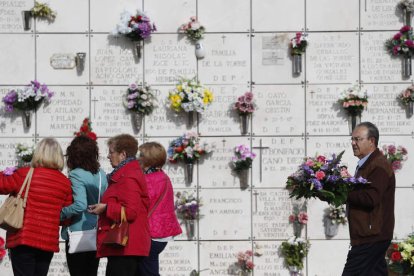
{"x":371,"y":205}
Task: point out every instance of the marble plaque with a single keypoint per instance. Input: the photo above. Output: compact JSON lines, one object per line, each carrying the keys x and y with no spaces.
{"x":105,"y":14}
{"x":179,"y":258}
{"x":20,"y":58}
{"x":404,"y":213}
{"x":221,"y":205}
{"x":280,"y":157}
{"x":333,"y":145}
{"x":221,"y":118}
{"x":164,"y":120}
{"x":271,"y":209}
{"x":66,"y":111}
{"x":181,"y":9}
{"x":220,"y":163}
{"x":64,"y":21}
{"x":50,"y":44}
{"x":63,"y":61}
{"x":8,"y":156}
{"x":11,"y":123}
{"x":270,"y":263}
{"x":108,"y":114}
{"x":268,"y":16}
{"x":327,"y":257}
{"x":325,"y":116}
{"x":317,"y":210}
{"x":227,"y":59}
{"x":169,"y":57}
{"x":377,"y":65}
{"x":219,"y":258}
{"x":385,"y":111}
{"x":332,"y":57}
{"x":380,"y":15}
{"x":222,"y":16}
{"x":271,"y":60}
{"x":329,"y":15}
{"x":280,"y":109}
{"x":113,"y":60}
{"x":11,"y":19}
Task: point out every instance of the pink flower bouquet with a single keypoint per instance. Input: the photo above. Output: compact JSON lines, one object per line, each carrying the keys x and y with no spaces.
{"x":244,"y":260}
{"x":395,"y":155}
{"x":245,"y":104}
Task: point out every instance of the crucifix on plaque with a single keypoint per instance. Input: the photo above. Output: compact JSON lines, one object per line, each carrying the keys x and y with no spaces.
{"x":223,"y":37}
{"x":94,"y":106}
{"x":261,"y":148}
{"x":255,"y":193}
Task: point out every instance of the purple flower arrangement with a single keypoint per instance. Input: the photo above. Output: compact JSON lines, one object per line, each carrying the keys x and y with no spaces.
{"x":245,"y":104}
{"x":402,"y":43}
{"x":243,"y":158}
{"x":187,"y":206}
{"x":395,"y":155}
{"x":141,"y":99}
{"x":324,"y":179}
{"x":135,"y":26}
{"x":28,"y":98}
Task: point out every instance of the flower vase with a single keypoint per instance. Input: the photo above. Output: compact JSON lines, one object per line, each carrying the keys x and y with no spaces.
{"x":244,"y":120}
{"x":190,"y":228}
{"x":294,"y":270}
{"x":353,"y":121}
{"x":409,"y":109}
{"x":407,"y":17}
{"x":406,"y":67}
{"x":244,"y":178}
{"x":27,"y":118}
{"x":200,"y":52}
{"x":244,"y":273}
{"x":297,"y":64}
{"x":137,"y":119}
{"x":192,"y":115}
{"x":331,"y":229}
{"x":297,"y":229}
{"x":27,"y":20}
{"x":138,"y":48}
{"x":189,"y":169}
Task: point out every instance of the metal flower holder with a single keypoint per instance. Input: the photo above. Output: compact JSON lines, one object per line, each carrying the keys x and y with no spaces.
{"x":297,"y":64}
{"x":353,"y":121}
{"x":409,"y":109}
{"x":138,"y":48}
{"x":192,"y":116}
{"x":27,"y":118}
{"x":27,"y":20}
{"x":297,"y":229}
{"x":244,"y":179}
{"x":137,"y":119}
{"x":406,"y":67}
{"x":407,"y":17}
{"x":190,"y":225}
{"x":189,"y":170}
{"x":244,"y":120}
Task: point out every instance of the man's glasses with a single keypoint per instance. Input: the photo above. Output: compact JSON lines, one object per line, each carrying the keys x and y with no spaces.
{"x":357,"y":139}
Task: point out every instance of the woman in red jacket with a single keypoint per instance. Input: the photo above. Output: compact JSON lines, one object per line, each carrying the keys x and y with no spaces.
{"x":126,"y":188}
{"x":162,"y":220}
{"x":32,"y":247}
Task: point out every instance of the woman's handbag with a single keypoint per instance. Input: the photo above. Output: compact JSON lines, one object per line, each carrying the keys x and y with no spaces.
{"x":12,"y":211}
{"x":117,"y":235}
{"x":85,"y":240}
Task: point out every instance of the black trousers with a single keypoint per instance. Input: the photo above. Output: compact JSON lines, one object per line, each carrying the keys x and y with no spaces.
{"x":367,"y":260}
{"x":82,"y":264}
{"x":150,"y":266}
{"x":123,"y":265}
{"x":30,"y":261}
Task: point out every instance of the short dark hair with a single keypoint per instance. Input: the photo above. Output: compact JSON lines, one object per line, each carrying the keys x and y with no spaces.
{"x":124,"y":142}
{"x":83,"y":152}
{"x":372,"y":131}
{"x":152,"y":154}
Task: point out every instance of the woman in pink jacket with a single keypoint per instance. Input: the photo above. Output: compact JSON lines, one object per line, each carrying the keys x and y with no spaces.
{"x":162,"y":219}
{"x":126,"y":188}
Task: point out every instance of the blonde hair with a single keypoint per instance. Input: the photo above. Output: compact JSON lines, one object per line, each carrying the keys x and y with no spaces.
{"x":152,"y":154}
{"x":48,"y":154}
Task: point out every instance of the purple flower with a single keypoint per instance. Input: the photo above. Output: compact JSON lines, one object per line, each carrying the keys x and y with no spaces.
{"x":9,"y":170}
{"x":409,"y":43}
{"x":361,"y":180}
{"x":316,"y":183}
{"x":332,"y":178}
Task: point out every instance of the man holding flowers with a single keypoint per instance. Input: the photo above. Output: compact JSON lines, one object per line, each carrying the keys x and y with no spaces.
{"x":370,"y":206}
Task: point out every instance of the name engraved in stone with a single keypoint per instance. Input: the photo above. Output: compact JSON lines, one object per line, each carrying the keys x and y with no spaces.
{"x":10,"y":15}
{"x":63,"y":61}
{"x":274,"y":50}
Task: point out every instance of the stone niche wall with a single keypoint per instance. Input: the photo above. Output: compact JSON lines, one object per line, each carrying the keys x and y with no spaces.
{"x":246,"y":49}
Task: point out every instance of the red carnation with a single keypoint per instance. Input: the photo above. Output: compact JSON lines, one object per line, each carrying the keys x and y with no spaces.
{"x":396,"y":256}
{"x":92,"y":135}
{"x":395,"y":246}
{"x":179,"y":149}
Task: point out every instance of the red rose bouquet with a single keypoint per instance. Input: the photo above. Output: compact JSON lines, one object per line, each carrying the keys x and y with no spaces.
{"x":86,"y":130}
{"x":400,"y":256}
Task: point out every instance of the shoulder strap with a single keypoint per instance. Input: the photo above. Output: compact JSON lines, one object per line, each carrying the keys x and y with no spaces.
{"x":26,"y":181}
{"x":159,"y":199}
